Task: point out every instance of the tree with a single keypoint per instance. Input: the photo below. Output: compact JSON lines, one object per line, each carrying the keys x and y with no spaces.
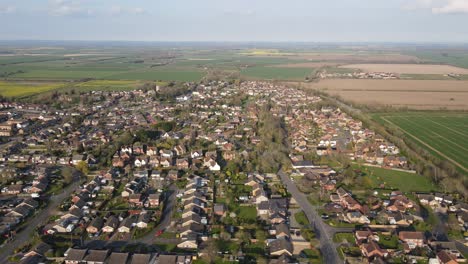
{"x":83,"y":167}
{"x":210,"y":251}
{"x":67,"y":174}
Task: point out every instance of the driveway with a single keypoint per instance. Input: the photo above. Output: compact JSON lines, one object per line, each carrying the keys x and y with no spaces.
{"x":323,"y":232}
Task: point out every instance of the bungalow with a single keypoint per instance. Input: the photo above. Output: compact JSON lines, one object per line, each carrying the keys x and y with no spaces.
{"x":356,"y":217}
{"x":445,"y":257}
{"x":111,"y":224}
{"x":95,"y":226}
{"x":19,"y":212}
{"x":118,"y":258}
{"x":193,"y":228}
{"x":75,"y":256}
{"x":372,"y":250}
{"x":143,"y":220}
{"x":127,"y":224}
{"x":194,"y":218}
{"x":188,"y":243}
{"x":96,"y":256}
{"x":281,"y":246}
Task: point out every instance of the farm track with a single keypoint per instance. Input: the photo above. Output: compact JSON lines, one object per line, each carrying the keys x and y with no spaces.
{"x":427,"y":145}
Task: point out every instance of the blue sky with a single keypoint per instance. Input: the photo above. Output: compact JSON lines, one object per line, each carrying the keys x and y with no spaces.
{"x":236,"y":20}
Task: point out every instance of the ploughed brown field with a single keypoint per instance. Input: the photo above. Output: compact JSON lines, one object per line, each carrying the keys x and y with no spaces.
{"x":408,"y":68}
{"x":306,"y":65}
{"x":414,"y":94}
{"x":353,"y":58}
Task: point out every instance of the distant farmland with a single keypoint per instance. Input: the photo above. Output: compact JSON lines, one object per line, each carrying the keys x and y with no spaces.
{"x":21,"y":89}
{"x":276,"y":73}
{"x":408,"y":68}
{"x":445,"y":135}
{"x":413,"y":94}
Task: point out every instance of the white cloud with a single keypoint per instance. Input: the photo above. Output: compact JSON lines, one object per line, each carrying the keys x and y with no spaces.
{"x":438,"y":6}
{"x":7,"y":9}
{"x":68,"y":8}
{"x":119,"y":10}
{"x":452,"y":7}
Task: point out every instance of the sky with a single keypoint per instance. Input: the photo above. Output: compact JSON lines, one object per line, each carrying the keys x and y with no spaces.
{"x":236,"y":20}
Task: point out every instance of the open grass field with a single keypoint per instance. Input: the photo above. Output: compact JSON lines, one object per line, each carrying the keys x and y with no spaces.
{"x":404,"y":181}
{"x":413,"y":94}
{"x":408,"y":68}
{"x":445,"y":135}
{"x":21,"y":89}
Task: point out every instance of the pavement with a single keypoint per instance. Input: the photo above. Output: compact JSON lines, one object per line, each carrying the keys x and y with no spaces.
{"x":34,"y":221}
{"x":323,"y":232}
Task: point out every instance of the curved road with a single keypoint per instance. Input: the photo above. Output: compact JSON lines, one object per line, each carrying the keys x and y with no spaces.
{"x":36,"y":220}
{"x":323,"y":231}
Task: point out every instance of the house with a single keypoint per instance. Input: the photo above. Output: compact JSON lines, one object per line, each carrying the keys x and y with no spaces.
{"x":445,"y":257}
{"x":189,"y":242}
{"x":141,"y":259}
{"x":196,"y":154}
{"x":77,"y":159}
{"x":127,"y":224}
{"x":95,"y":226}
{"x":372,"y":250}
{"x":214,"y":166}
{"x":193,"y":228}
{"x":281,"y":246}
{"x":153,"y":199}
{"x":193,"y":218}
{"x":219,"y":209}
{"x":356,"y":217}
{"x":96,"y":256}
{"x":413,"y":239}
{"x":180,"y":150}
{"x":182,"y":164}
{"x":173,"y":175}
{"x":281,"y":230}
{"x":118,"y":258}
{"x":20,"y":212}
{"x":75,"y":256}
{"x":143,"y":220}
{"x":111,"y":224}
{"x":140,"y":162}
{"x":166,"y":153}
{"x":135,"y":199}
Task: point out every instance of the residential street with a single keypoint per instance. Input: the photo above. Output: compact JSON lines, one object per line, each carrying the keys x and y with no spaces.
{"x":166,"y":216}
{"x":24,"y":235}
{"x":323,"y":231}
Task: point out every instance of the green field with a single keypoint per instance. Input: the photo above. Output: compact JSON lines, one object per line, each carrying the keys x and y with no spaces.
{"x":21,"y":89}
{"x":445,"y":135}
{"x":404,"y":181}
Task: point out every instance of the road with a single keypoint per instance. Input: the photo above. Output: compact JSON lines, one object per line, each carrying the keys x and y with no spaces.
{"x":166,"y":216}
{"x":33,"y":222}
{"x":322,"y":231}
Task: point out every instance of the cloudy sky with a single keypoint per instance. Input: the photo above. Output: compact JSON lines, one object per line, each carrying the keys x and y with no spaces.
{"x":236,"y":20}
